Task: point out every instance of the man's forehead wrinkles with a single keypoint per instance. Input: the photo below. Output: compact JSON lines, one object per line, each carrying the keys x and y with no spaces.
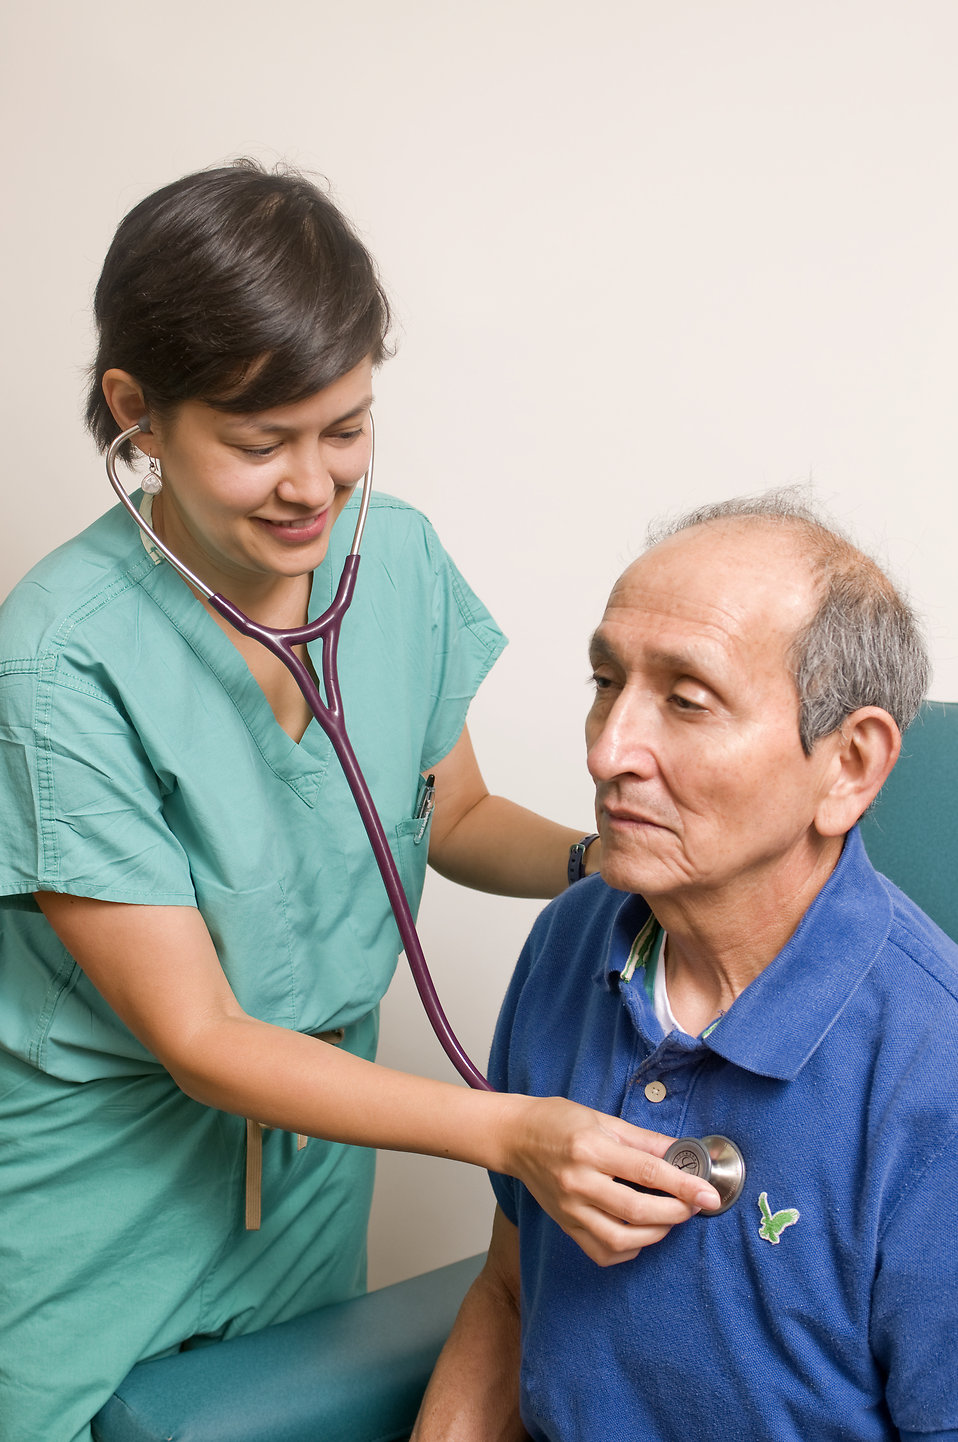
{"x":666,"y":637}
{"x":697,"y":656}
{"x":730,"y":629}
{"x":735,"y":582}
{"x":723,"y":616}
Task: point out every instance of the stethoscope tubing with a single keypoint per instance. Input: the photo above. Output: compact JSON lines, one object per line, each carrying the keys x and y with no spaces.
{"x":329,"y":714}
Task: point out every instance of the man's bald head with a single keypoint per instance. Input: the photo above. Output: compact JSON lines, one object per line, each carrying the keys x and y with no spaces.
{"x":862,"y":645}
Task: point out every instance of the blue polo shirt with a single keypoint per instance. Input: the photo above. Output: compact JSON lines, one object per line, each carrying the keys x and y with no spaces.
{"x":824,"y":1304}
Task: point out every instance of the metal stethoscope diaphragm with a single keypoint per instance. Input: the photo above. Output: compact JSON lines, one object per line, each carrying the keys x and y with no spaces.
{"x":716,"y":1160}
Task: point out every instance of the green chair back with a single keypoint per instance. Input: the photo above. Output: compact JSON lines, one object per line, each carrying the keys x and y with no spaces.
{"x":911,"y":831}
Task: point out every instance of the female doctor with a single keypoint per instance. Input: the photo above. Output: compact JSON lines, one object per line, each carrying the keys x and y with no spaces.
{"x":194,"y":934}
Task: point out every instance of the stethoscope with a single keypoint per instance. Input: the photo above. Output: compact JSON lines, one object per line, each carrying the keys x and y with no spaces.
{"x":714,"y":1159}
{"x":329,"y":714}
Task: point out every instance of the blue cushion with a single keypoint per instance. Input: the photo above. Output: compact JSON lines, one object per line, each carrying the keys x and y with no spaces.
{"x":352,"y":1372}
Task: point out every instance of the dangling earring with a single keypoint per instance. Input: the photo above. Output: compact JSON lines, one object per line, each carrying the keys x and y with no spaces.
{"x":152,"y":483}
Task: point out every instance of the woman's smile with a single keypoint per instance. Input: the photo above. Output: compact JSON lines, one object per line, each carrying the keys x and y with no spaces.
{"x":296,"y":530}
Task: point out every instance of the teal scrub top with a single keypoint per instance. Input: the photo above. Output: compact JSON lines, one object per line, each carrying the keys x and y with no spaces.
{"x":140,"y":762}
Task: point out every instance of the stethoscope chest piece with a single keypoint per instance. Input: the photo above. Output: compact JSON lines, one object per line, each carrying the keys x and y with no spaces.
{"x":717,"y":1161}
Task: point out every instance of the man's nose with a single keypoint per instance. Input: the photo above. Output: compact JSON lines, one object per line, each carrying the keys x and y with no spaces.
{"x":621,"y":741}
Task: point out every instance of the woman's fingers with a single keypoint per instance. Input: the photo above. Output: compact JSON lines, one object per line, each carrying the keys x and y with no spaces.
{"x":605,"y":1182}
{"x":641,"y":1170}
{"x":621,"y":1222}
{"x":608,"y":1243}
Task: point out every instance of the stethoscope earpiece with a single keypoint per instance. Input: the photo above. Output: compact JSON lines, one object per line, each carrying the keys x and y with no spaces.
{"x":717,"y":1161}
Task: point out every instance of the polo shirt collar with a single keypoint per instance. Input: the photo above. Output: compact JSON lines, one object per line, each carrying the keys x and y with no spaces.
{"x":781,"y":1018}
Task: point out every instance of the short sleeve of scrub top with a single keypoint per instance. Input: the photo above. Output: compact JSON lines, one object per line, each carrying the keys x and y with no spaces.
{"x":140,"y":763}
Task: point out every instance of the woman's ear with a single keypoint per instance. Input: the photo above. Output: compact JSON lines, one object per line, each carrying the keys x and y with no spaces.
{"x":866,"y":747}
{"x":124,"y":395}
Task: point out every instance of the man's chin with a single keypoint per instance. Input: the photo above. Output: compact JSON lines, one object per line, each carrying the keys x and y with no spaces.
{"x":642,"y":875}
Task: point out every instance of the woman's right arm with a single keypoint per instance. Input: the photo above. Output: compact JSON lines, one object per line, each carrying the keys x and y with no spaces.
{"x":157,"y":968}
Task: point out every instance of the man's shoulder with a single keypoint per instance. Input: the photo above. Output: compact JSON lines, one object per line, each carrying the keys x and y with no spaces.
{"x":576,"y":937}
{"x":915,"y":939}
{"x":586,"y":907}
{"x":865,"y":915}
{"x":563,"y":985}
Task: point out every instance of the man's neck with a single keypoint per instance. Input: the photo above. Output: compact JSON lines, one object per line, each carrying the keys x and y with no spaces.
{"x":720,"y":942}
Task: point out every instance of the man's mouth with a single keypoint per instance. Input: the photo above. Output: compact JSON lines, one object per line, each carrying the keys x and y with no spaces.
{"x":626,"y":817}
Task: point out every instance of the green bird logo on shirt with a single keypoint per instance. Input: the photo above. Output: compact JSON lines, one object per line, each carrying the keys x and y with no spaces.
{"x":773,"y":1226}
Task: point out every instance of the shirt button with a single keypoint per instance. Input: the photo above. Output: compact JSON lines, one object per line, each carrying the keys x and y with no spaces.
{"x":655,"y":1091}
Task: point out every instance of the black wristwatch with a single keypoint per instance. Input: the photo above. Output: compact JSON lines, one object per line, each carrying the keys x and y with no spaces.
{"x":577,"y":851}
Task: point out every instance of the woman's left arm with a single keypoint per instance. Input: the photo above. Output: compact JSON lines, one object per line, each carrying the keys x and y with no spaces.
{"x":492,"y":844}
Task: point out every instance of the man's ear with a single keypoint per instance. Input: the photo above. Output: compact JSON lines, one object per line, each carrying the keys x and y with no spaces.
{"x":866,"y":747}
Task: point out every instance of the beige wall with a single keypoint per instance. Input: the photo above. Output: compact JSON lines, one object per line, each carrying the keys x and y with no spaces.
{"x":642,"y":254}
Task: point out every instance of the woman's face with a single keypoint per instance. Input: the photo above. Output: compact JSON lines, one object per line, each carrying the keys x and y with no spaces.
{"x":254,"y":496}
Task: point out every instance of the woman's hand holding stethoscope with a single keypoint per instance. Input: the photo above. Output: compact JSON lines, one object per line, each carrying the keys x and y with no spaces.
{"x":603,"y":1180}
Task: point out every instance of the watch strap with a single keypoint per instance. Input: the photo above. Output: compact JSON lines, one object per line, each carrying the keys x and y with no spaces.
{"x":577,"y":851}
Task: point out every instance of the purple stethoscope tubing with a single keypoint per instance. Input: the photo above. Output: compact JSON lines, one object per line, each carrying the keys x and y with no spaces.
{"x":329,"y":714}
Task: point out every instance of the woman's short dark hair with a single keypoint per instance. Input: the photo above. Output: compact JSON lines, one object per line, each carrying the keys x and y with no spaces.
{"x":239,"y":287}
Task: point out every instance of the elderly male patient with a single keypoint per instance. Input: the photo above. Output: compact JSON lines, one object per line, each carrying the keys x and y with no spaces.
{"x":738,"y":969}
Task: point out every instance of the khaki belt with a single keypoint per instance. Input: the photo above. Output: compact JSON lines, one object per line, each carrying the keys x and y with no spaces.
{"x":254,"y":1149}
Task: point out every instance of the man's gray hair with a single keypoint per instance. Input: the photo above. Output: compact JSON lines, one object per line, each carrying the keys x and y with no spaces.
{"x":863,"y":646}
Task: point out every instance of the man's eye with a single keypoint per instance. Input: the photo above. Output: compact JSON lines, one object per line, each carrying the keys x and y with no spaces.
{"x":683,"y":703}
{"x":601,"y":683}
{"x":259,"y":450}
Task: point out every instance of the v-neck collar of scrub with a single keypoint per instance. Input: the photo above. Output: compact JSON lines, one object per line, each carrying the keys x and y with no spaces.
{"x":303,"y":765}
